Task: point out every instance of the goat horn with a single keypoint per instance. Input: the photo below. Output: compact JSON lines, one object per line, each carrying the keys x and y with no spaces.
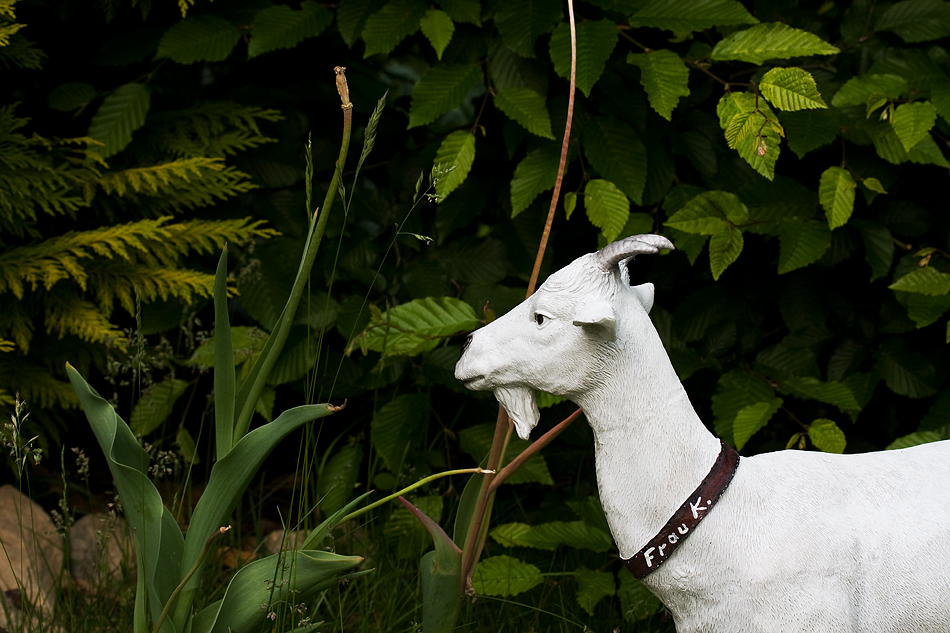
{"x":609,"y":256}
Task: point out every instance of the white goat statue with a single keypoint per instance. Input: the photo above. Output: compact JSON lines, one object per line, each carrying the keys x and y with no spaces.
{"x":799,"y":541}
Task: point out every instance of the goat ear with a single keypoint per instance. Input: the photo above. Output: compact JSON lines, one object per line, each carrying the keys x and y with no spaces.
{"x":597,"y":316}
{"x":644,"y":293}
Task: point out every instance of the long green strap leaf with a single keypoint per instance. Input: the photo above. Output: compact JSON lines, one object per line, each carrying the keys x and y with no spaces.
{"x":276,"y":582}
{"x":223,"y":362}
{"x":158,"y":540}
{"x":230,"y":477}
{"x":253,"y":385}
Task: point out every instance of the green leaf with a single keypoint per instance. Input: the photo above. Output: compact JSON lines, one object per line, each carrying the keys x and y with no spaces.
{"x":940,"y":95}
{"x":926,"y":280}
{"x":224,"y":378}
{"x":636,"y":601}
{"x":441,"y":89}
{"x":505,"y":576}
{"x":570,"y":203}
{"x":275,"y":581}
{"x":549,"y":536}
{"x":338,"y":477}
{"x":913,"y":121}
{"x":826,"y":436}
{"x":186,"y":446}
{"x":440,"y":572}
{"x":664,"y":77}
{"x":836,"y":195}
{"x":915,"y":439}
{"x":158,"y":539}
{"x":396,"y":21}
{"x":120,"y":114}
{"x":592,"y":587}
{"x":476,"y":441}
{"x":686,"y":16}
{"x":617,"y":153}
{"x":458,"y":149}
{"x":395,"y":427}
{"x":786,"y":361}
{"x":736,"y":391}
{"x":463,"y":10}
{"x":890,"y":148}
{"x":508,"y":70}
{"x":351,"y":16}
{"x":156,"y":405}
{"x":71,"y":96}
{"x":916,"y":20}
{"x":438,"y":28}
{"x":724,"y":248}
{"x":751,"y":418}
{"x":923,"y":309}
{"x":534,"y":175}
{"x":873,"y":184}
{"x":596,"y":40}
{"x":791,"y":89}
{"x":878,"y":246}
{"x":520,"y":24}
{"x":771,"y":202}
{"x":775,"y":40}
{"x":232,"y":474}
{"x":831,"y":392}
{"x":906,"y":372}
{"x":858,"y":90}
{"x":199,"y":38}
{"x":807,"y":130}
{"x":418,"y":326}
{"x":246,"y":343}
{"x":802,"y":242}
{"x":527,"y":108}
{"x":709,"y":213}
{"x":752,"y":129}
{"x":607,"y":207}
{"x":279,"y":26}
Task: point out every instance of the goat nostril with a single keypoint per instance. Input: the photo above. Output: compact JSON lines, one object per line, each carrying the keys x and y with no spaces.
{"x":468,"y":341}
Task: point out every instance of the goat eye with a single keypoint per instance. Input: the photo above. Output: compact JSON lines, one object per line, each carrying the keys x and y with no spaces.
{"x":539,"y":317}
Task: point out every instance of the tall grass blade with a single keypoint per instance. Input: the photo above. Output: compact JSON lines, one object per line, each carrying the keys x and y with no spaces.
{"x":223,"y":362}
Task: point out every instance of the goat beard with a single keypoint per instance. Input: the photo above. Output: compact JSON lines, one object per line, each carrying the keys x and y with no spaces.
{"x":520,"y":404}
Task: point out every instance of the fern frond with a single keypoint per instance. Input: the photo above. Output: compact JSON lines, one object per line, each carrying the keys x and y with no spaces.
{"x":36,"y":385}
{"x":187,"y":183}
{"x":15,"y":322}
{"x":68,"y":314}
{"x":39,"y":173}
{"x":57,"y":258}
{"x":6,"y":346}
{"x":209,"y":236}
{"x":215,"y":129}
{"x":21,"y":52}
{"x":119,"y":284}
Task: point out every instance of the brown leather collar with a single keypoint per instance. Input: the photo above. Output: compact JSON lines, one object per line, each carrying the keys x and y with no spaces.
{"x":685,"y":520}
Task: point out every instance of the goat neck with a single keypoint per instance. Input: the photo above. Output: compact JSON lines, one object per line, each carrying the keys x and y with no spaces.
{"x":651,"y":448}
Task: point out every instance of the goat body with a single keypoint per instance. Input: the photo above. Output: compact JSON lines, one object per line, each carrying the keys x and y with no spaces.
{"x":800,"y":541}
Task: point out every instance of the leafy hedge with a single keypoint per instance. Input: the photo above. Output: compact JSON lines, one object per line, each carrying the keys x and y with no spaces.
{"x":795,"y":152}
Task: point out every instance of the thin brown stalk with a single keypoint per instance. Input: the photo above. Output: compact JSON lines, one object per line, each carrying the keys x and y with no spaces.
{"x":536,"y":446}
{"x":473,"y":542}
{"x":560,"y":169}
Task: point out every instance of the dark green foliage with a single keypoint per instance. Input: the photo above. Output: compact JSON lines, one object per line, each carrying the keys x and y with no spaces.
{"x":791,"y":150}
